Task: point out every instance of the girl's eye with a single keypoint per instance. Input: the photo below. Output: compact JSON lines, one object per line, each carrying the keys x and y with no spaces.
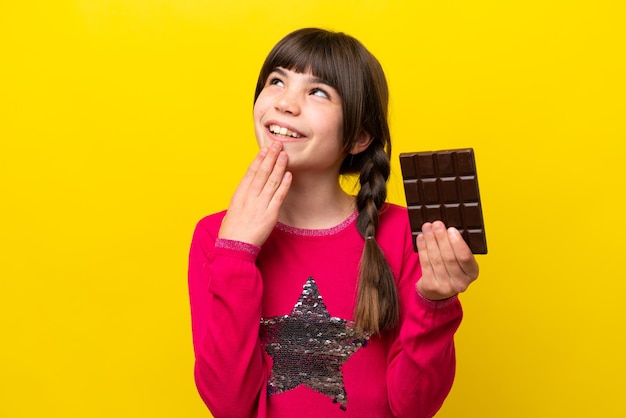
{"x":320,"y":93}
{"x":276,"y":82}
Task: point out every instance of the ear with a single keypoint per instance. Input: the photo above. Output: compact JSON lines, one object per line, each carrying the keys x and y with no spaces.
{"x":362,"y":142}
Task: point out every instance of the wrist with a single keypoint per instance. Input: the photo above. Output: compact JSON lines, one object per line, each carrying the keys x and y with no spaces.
{"x":236,"y":245}
{"x":436,"y":303}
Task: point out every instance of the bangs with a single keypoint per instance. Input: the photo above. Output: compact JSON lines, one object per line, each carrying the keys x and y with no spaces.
{"x":314,"y":57}
{"x":324,"y":55}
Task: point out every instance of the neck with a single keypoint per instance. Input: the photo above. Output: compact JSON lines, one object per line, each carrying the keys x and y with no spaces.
{"x":313,"y":203}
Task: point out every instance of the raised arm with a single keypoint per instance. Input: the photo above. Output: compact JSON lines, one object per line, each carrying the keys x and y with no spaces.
{"x":226,"y":289}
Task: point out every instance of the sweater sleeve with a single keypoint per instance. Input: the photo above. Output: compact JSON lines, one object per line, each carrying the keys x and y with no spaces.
{"x":422,"y":362}
{"x":225,"y":290}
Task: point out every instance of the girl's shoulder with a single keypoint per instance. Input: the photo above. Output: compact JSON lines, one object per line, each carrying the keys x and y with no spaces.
{"x":394,"y":237}
{"x":394,"y":219}
{"x":211,"y":223}
{"x":394,"y":213}
{"x":394,"y":231}
{"x":214,"y":217}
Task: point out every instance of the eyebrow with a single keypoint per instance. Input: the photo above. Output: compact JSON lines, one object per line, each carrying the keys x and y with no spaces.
{"x":311,"y":79}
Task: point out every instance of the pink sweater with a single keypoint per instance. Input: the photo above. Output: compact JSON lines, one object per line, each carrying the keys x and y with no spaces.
{"x":273,"y":333}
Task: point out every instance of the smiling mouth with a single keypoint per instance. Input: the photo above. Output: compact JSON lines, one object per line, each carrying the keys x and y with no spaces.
{"x":284,"y":132}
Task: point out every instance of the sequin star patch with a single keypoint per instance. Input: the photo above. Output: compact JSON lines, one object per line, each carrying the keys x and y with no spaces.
{"x":309,"y":347}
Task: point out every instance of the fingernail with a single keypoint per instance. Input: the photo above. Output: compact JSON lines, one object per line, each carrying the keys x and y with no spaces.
{"x":276,"y":146}
{"x":438,"y":226}
{"x":427,"y":227}
{"x":454,"y":233}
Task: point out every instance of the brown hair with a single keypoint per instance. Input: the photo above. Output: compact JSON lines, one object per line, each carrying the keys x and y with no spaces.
{"x":346,"y":65}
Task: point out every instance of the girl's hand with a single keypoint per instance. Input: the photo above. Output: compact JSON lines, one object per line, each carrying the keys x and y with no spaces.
{"x":254,"y":207}
{"x":448,"y":265}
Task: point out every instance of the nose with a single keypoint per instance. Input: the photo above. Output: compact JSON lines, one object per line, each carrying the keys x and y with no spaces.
{"x":288,"y":102}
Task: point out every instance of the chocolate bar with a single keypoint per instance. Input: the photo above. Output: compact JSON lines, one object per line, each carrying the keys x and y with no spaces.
{"x":443,"y":185}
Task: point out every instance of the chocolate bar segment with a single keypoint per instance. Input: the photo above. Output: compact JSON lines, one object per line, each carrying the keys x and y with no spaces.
{"x":443,"y":185}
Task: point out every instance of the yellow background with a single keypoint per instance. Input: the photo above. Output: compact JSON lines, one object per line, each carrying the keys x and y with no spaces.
{"x":124,"y":122}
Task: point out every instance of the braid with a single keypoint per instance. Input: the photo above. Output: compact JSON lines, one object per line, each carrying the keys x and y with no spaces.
{"x":377,"y":307}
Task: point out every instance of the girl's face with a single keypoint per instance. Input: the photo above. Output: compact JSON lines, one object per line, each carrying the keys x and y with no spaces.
{"x":303,"y":113}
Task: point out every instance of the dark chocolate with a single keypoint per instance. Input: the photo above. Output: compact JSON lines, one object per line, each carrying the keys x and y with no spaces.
{"x":443,"y":185}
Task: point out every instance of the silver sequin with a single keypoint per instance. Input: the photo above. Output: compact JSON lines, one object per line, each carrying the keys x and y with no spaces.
{"x":309,"y":347}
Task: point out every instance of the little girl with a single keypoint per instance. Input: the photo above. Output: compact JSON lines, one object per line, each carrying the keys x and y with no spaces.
{"x":307,"y":301}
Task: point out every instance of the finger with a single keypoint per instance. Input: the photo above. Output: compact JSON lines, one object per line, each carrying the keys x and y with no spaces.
{"x":428,"y":285}
{"x":281,"y":193}
{"x":434,"y":252}
{"x":275,"y":178}
{"x":422,"y":250}
{"x":256,"y":163}
{"x":265,"y":169}
{"x":467,"y":261}
{"x":245,"y":182}
{"x":447,"y":253}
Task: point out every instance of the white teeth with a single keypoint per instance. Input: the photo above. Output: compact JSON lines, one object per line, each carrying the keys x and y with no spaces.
{"x":278,"y":130}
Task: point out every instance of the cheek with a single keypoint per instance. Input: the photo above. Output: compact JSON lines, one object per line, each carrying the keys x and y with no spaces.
{"x":260,"y":113}
{"x":263,"y":101}
{"x":257,"y":116}
{"x":337,"y":128}
{"x":256,"y":110}
{"x":262,"y":105}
